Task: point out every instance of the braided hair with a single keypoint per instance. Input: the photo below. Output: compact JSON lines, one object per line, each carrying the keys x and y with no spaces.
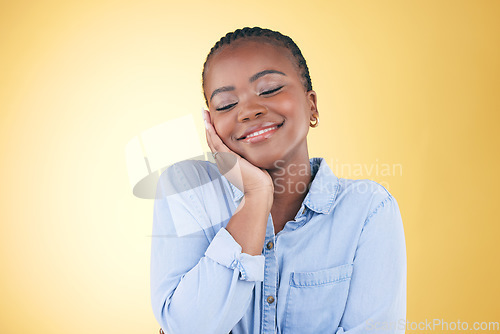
{"x":274,"y":37}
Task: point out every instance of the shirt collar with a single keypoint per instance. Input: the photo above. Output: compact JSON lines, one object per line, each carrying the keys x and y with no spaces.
{"x":322,"y":191}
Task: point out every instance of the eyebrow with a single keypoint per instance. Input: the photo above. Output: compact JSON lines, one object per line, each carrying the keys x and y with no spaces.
{"x":252,"y":79}
{"x":262,"y":73}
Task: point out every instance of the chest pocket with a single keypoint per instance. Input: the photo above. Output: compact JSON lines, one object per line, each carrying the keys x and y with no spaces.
{"x":316,"y":300}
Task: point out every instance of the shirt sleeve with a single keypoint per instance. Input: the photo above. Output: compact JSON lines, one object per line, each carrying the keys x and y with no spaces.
{"x":197,"y":285}
{"x":377,"y":293}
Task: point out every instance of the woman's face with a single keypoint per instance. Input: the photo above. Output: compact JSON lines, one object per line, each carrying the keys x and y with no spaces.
{"x":253,"y":86}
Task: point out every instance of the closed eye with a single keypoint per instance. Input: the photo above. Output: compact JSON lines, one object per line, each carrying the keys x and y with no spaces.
{"x":226,"y":107}
{"x":267,"y":92}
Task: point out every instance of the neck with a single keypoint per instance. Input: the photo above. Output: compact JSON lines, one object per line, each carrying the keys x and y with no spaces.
{"x":291,"y":181}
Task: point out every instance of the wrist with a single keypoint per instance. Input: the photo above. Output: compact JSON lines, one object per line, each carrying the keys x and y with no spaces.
{"x":259,"y":198}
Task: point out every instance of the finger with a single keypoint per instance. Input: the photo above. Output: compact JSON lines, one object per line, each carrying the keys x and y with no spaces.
{"x":207,"y":133}
{"x":209,"y":140}
{"x":226,"y":158}
{"x":216,"y":142}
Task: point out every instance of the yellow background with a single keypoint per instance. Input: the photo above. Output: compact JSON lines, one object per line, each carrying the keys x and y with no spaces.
{"x":412,"y":83}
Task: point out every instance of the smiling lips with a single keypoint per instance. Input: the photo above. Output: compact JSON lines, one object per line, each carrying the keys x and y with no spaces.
{"x":261,"y":134}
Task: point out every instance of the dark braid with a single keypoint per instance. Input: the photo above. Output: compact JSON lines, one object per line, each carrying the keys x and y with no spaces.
{"x":273,"y":37}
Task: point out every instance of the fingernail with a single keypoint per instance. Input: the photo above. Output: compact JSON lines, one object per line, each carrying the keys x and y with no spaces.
{"x":206,"y":125}
{"x":203,"y":113}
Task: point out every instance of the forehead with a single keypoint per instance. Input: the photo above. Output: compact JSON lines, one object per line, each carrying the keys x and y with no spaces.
{"x":249,"y":55}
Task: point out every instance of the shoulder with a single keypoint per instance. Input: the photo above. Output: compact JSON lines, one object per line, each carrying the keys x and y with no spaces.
{"x":363,"y":189}
{"x":192,"y":168}
{"x":371,"y":210}
{"x":196,"y":196}
{"x":366,"y":196}
{"x":186,"y":175}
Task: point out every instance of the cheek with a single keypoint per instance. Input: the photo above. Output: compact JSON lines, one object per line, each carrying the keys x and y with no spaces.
{"x":293,"y":108}
{"x":287,"y":104}
{"x":223,"y":127}
{"x":290,"y":109}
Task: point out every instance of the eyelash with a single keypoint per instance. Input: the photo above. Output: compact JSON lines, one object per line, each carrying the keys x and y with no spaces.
{"x":267,"y":92}
{"x":229,"y":106}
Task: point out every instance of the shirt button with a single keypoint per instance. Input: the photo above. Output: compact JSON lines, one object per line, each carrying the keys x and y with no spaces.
{"x":270,"y":299}
{"x":270,"y":245}
{"x":304,"y":210}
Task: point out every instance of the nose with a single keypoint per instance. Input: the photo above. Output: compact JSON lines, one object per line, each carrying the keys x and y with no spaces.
{"x":251,"y":111}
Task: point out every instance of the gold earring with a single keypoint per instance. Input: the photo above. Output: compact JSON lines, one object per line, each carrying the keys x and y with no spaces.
{"x":315,"y":124}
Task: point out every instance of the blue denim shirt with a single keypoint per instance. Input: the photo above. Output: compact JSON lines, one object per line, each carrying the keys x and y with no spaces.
{"x":338,"y":267}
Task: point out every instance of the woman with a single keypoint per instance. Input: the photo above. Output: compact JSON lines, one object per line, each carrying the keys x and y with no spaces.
{"x":268,"y":240}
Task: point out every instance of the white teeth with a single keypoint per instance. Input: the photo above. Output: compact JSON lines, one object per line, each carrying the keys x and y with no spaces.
{"x":260,"y":132}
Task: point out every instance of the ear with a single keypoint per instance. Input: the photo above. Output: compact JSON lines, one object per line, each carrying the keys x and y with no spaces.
{"x":313,"y":106}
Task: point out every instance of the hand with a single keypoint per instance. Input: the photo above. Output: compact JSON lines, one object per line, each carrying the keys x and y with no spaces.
{"x":246,"y":177}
